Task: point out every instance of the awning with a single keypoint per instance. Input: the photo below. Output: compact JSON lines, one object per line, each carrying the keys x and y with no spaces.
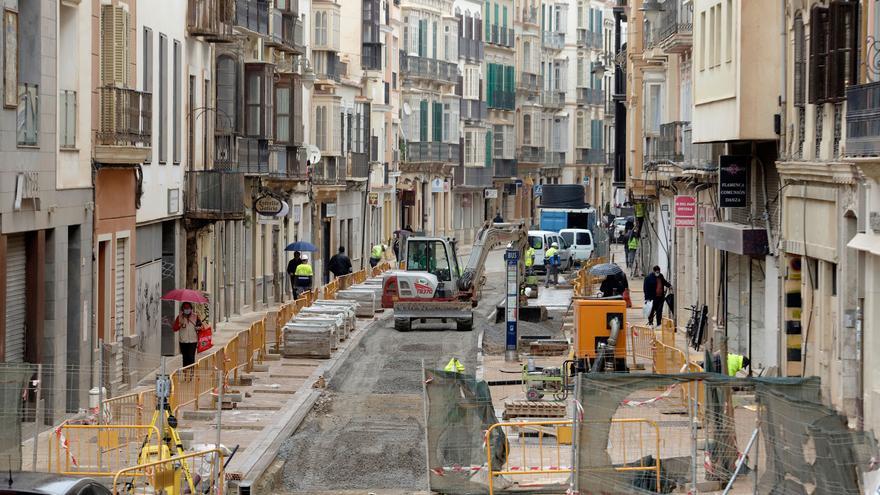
{"x":866,"y":242}
{"x":736,"y":238}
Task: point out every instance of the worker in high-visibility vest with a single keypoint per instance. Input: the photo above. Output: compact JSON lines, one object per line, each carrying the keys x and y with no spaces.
{"x":304,"y":275}
{"x":376,"y":254}
{"x":551,"y":260}
{"x":632,"y":244}
{"x":735,"y":362}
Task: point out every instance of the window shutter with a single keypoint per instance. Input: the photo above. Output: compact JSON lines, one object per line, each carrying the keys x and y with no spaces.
{"x":423,"y":121}
{"x":818,"y":53}
{"x":800,"y":62}
{"x":508,"y":81}
{"x":842,"y":50}
{"x":489,"y":142}
{"x":438,"y":122}
{"x":114,"y":46}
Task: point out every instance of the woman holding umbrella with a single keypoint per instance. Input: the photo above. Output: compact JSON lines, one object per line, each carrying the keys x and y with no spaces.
{"x":187,"y":325}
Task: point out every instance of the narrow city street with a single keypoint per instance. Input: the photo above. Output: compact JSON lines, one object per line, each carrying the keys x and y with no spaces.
{"x":366,"y":432}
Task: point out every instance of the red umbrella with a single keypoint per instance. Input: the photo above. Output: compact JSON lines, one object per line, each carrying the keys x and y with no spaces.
{"x":185,"y":295}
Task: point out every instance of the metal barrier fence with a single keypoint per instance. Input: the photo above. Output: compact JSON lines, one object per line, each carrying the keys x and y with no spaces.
{"x":191,"y":383}
{"x":98,"y":450}
{"x":641,"y":345}
{"x":538,"y":460}
{"x":667,"y":332}
{"x":167,"y":475}
{"x":531,"y":456}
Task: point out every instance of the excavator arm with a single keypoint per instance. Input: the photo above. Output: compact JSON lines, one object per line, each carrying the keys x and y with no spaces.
{"x":489,"y":237}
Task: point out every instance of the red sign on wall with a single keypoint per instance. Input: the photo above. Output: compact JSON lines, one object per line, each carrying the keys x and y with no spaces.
{"x":685,"y":211}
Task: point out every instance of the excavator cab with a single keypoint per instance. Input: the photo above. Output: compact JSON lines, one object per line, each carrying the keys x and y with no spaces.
{"x":436,"y":256}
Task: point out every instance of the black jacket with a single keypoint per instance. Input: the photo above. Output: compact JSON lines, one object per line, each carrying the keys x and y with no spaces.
{"x":650,"y":287}
{"x":339,"y":265}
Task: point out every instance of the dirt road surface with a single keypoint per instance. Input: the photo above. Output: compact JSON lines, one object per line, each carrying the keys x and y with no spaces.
{"x":366,"y":433}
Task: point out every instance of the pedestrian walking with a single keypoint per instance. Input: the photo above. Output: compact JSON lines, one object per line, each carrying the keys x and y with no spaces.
{"x":551,"y":265}
{"x":655,"y":294}
{"x":376,"y":254}
{"x":187,"y":325}
{"x":291,"y":270}
{"x":339,"y":264}
{"x":632,"y":245}
{"x":304,"y":276}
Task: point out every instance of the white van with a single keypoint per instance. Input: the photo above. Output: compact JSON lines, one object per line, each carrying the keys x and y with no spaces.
{"x":580,"y":243}
{"x":541,"y":241}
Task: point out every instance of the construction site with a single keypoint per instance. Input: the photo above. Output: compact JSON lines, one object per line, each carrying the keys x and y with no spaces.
{"x":326,"y":394}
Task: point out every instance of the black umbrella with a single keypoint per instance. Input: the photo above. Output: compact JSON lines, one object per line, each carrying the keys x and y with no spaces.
{"x":301,"y":246}
{"x":605,"y":269}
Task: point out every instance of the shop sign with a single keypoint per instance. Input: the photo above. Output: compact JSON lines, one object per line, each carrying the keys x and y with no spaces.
{"x":685,"y":211}
{"x":437,"y":186}
{"x":538,"y":190}
{"x":268,"y":206}
{"x":733,"y":181}
{"x":373,"y":198}
{"x":491,"y":193}
{"x":330,"y":210}
{"x":297,"y":213}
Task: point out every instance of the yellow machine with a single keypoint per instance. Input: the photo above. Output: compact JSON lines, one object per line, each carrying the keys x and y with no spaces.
{"x":600,"y":339}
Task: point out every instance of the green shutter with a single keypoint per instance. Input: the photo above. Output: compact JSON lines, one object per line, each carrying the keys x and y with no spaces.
{"x":435,"y":40}
{"x":438,"y":122}
{"x":423,"y":121}
{"x":509,"y":81}
{"x":496,"y":14}
{"x":591,"y":18}
{"x":543,"y":17}
{"x":488,"y":149}
{"x":504,"y":18}
{"x":490,"y":86}
{"x":487,"y":23}
{"x":599,"y":23}
{"x":423,"y":38}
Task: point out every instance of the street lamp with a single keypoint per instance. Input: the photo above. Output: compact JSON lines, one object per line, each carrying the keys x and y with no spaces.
{"x":303,"y":67}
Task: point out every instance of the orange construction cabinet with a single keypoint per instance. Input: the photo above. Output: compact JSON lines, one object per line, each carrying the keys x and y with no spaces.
{"x":592,"y":321}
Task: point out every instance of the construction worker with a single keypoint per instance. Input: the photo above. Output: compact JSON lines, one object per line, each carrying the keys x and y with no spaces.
{"x":304,"y":275}
{"x":735,"y":362}
{"x":551,"y":264}
{"x":376,"y":254}
{"x":632,"y":244}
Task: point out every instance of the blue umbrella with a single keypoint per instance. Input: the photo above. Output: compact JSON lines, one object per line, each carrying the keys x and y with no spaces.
{"x":301,"y":246}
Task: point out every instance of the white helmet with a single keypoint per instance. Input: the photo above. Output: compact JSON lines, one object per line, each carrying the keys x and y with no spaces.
{"x":304,"y":257}
{"x":555,"y":244}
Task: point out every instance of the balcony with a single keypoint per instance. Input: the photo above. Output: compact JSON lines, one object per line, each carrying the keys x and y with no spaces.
{"x":207,"y":19}
{"x":286,"y":32}
{"x":590,"y":96}
{"x":67,"y":119}
{"x":253,"y":156}
{"x":470,"y":50}
{"x":417,"y":152}
{"x":668,"y":147}
{"x":589,"y":39}
{"x":328,"y":172}
{"x":592,"y":156}
{"x":214,"y":195}
{"x":504,"y":168}
{"x":501,"y":36}
{"x":252,"y":15}
{"x":553,"y":40}
{"x":553,"y":99}
{"x":473,"y":176}
{"x":124,"y":134}
{"x":473,"y":110}
{"x":675,"y":34}
{"x":502,"y":100}
{"x":286,"y":163}
{"x":415,"y":67}
{"x":359,"y":166}
{"x":530,"y":154}
{"x":531,"y":83}
{"x":863,"y":120}
{"x":554,"y":159}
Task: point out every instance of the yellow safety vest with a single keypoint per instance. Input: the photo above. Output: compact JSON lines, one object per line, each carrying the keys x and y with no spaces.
{"x":734,"y":364}
{"x":530,"y":257}
{"x":633,"y":242}
{"x":376,"y":252}
{"x":304,"y":270}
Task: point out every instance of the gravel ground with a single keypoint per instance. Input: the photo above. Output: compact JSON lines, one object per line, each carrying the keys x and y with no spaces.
{"x":495,"y":335}
{"x":366,"y":431}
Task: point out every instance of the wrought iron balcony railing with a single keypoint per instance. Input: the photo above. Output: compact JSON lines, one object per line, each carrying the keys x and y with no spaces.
{"x":253,"y":15}
{"x":210,"y":19}
{"x":501,"y":100}
{"x":592,"y":156}
{"x":530,"y":154}
{"x":126,"y":117}
{"x":504,"y":167}
{"x":863,"y":120}
{"x":215,"y":195}
{"x":431,"y":152}
{"x":554,"y":40}
{"x":530,"y":82}
{"x":415,"y":67}
{"x":286,"y":32}
{"x":553,"y":98}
